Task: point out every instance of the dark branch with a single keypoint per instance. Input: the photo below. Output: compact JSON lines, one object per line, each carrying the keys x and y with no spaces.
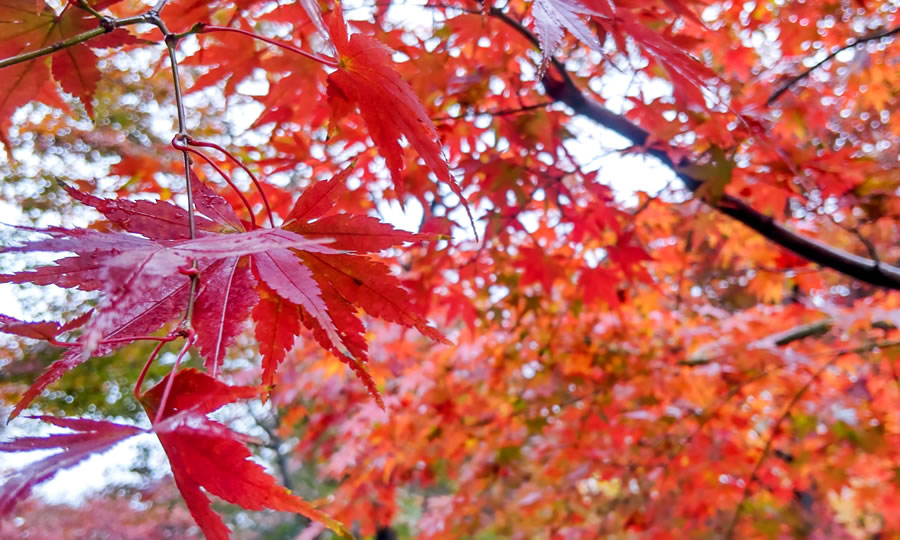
{"x":275,"y":444}
{"x":794,"y":80}
{"x":560,"y":87}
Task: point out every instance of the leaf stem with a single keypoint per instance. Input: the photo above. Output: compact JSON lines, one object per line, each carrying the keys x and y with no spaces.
{"x":163,"y":339}
{"x":330,"y":62}
{"x":240,"y":164}
{"x":177,"y":144}
{"x":90,"y":9}
{"x":127,"y":339}
{"x":140,"y":380}
{"x":171,"y":378}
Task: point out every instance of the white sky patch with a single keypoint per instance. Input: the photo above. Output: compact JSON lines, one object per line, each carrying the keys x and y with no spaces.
{"x":94,"y":474}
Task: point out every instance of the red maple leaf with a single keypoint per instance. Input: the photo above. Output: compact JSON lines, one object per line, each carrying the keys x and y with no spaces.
{"x":688,"y":75}
{"x":26,"y":26}
{"x":366,"y":78}
{"x":277,"y":326}
{"x":203,"y":454}
{"x":142,"y":284}
{"x":206,"y":455}
{"x":348,"y":280}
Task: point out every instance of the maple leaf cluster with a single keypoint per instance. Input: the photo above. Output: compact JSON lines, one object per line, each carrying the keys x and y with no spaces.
{"x":710,"y":358}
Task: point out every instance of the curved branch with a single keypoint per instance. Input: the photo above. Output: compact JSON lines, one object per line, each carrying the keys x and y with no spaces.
{"x":794,"y":80}
{"x":748,"y":485}
{"x":560,"y":87}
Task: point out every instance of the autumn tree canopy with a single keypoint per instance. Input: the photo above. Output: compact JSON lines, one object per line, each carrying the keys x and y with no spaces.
{"x":203,"y":201}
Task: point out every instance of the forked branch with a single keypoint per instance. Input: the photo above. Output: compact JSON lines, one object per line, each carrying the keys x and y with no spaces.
{"x":74,"y":40}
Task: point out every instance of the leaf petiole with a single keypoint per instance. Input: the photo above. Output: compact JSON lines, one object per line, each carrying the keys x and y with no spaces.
{"x":191,"y":338}
{"x":240,"y":164}
{"x":140,"y":380}
{"x":176,"y":143}
{"x":83,"y":4}
{"x":127,"y":339}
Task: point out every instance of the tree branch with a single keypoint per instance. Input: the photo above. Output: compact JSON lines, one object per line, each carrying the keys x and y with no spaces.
{"x":171,"y":41}
{"x":706,"y":354}
{"x":275,"y":443}
{"x":498,"y":112}
{"x":111,"y":25}
{"x":794,"y":80}
{"x":729,"y":532}
{"x":563,"y":89}
{"x":158,"y":7}
{"x":50,"y":49}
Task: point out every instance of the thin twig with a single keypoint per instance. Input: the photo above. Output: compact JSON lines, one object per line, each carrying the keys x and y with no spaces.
{"x":275,"y":443}
{"x":854,"y":230}
{"x":208,"y":28}
{"x":50,"y":49}
{"x":513,"y":215}
{"x":157,"y":9}
{"x":870,"y":247}
{"x":171,"y":44}
{"x":646,"y":204}
{"x":713,"y":410}
{"x":729,"y":532}
{"x":500,"y":112}
{"x":75,"y":40}
{"x":794,"y":80}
